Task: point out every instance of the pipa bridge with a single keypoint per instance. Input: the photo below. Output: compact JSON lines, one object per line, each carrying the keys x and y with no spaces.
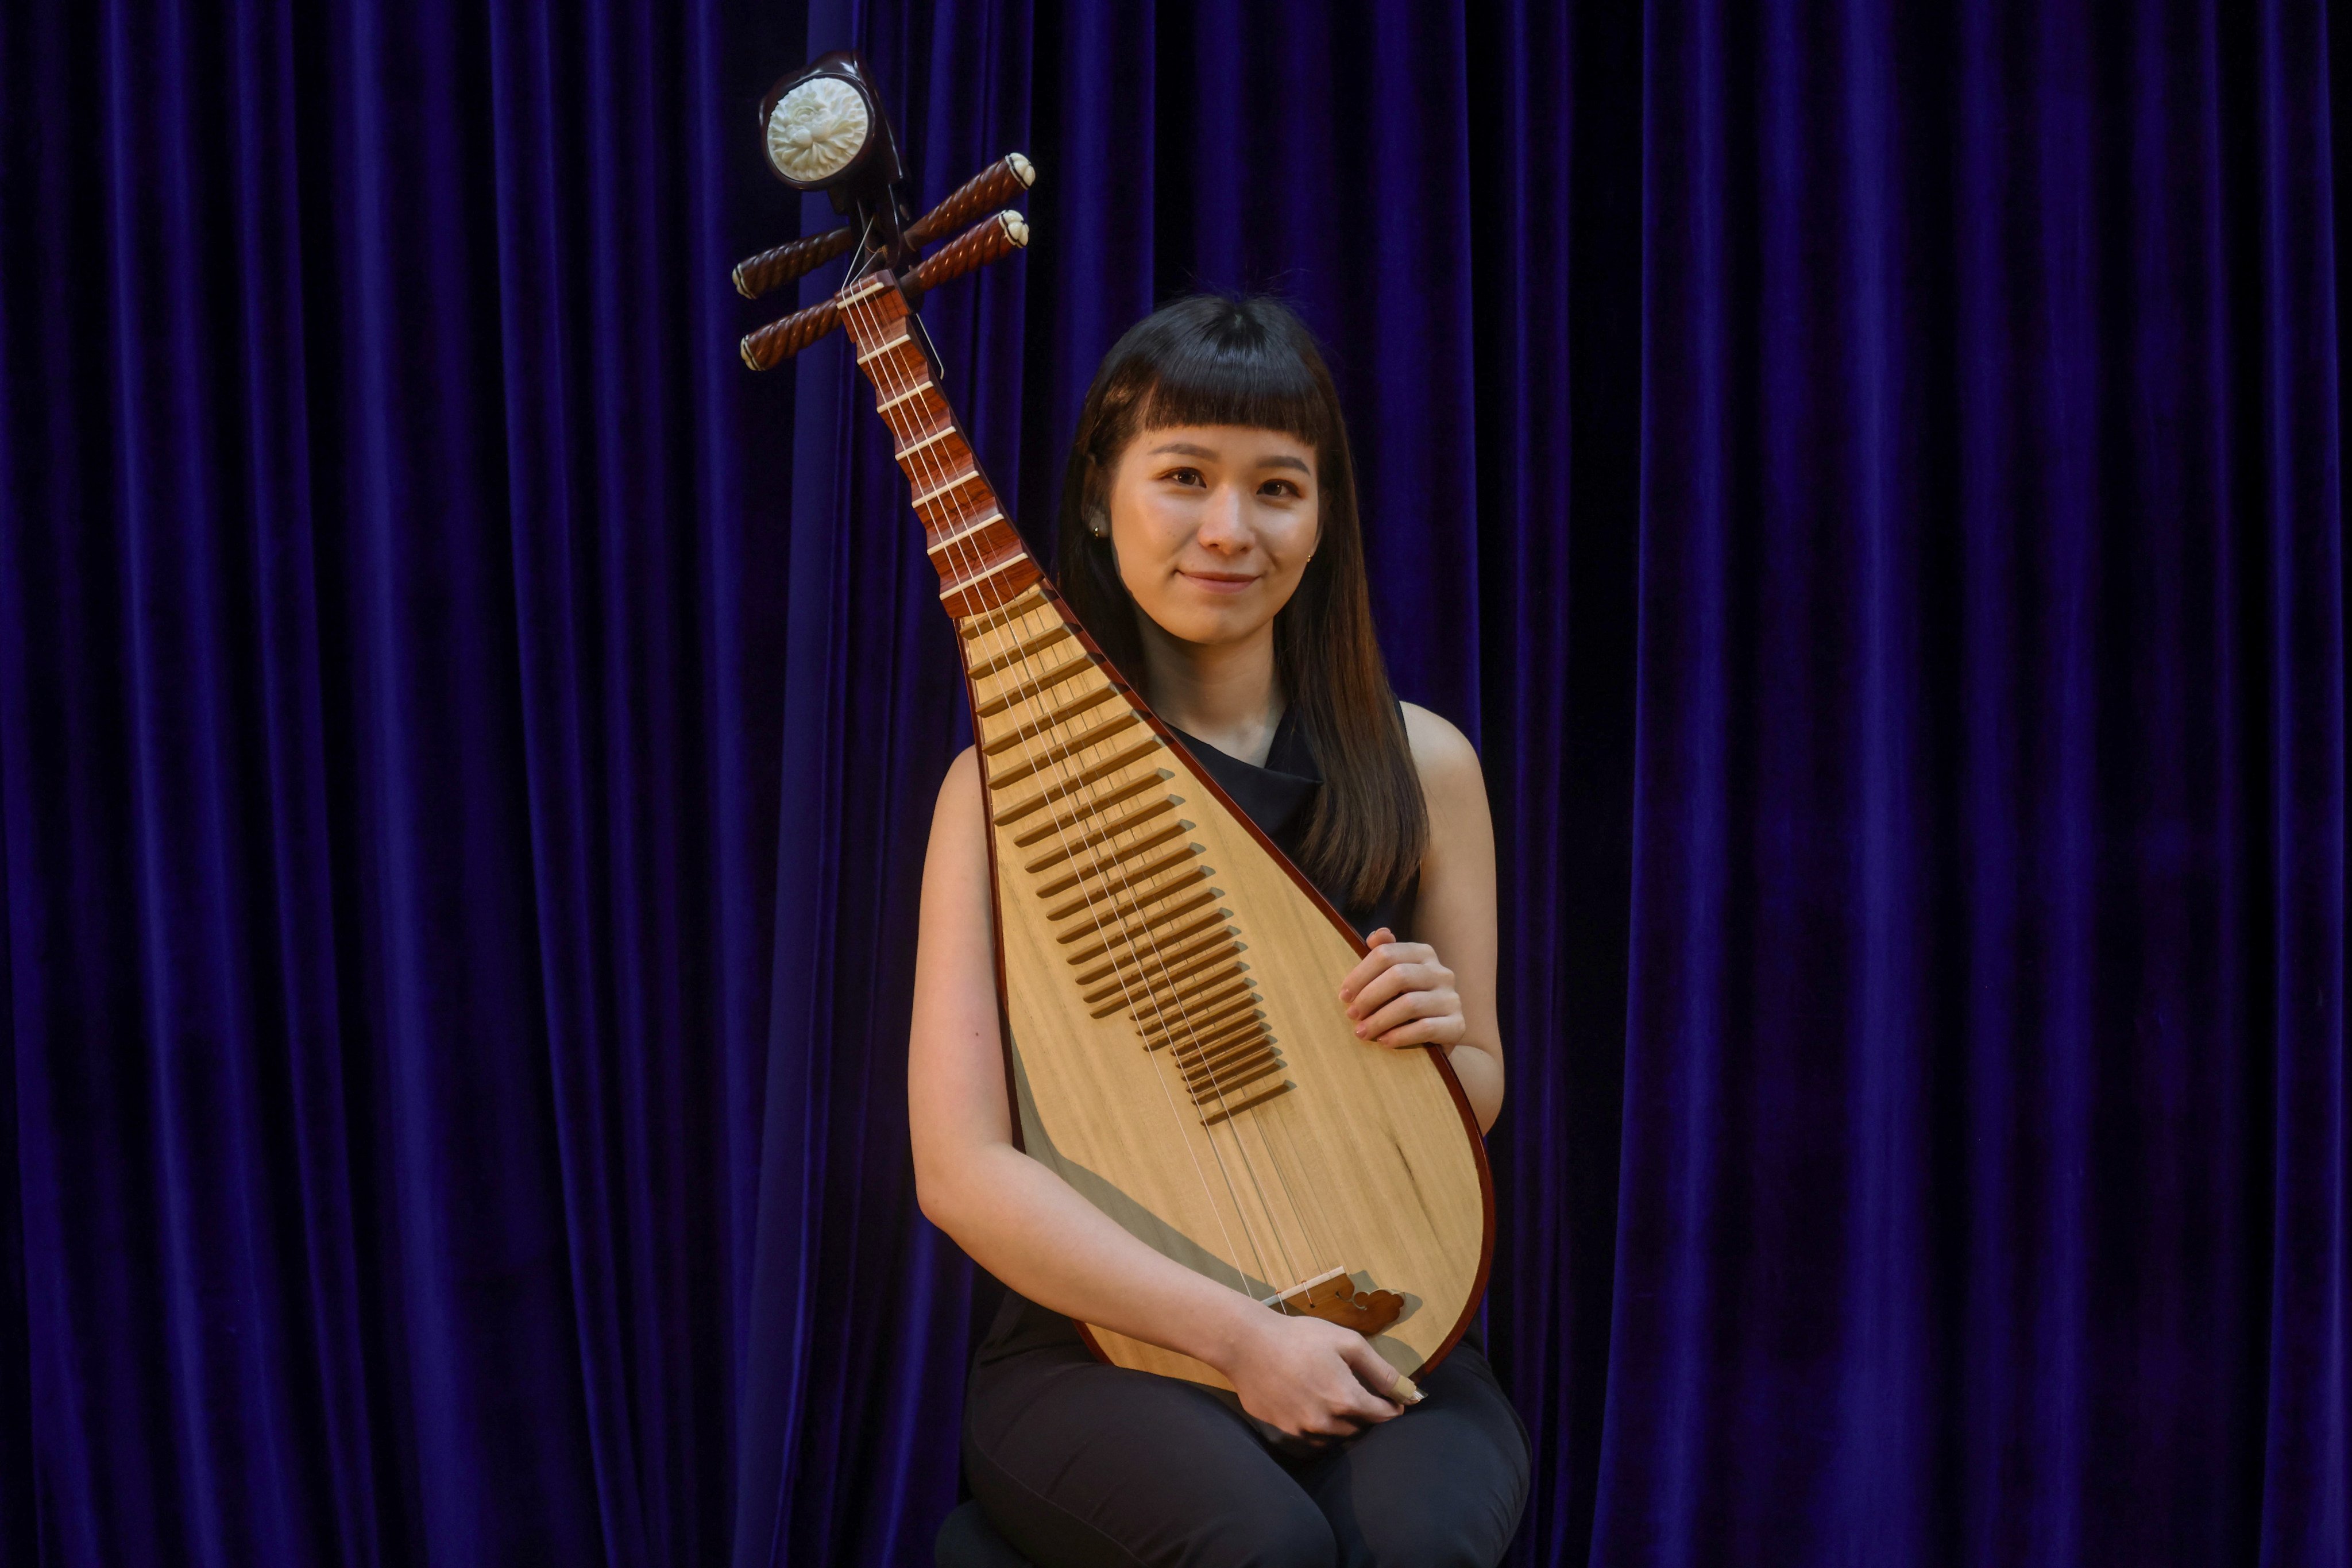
{"x":1332,"y":1296}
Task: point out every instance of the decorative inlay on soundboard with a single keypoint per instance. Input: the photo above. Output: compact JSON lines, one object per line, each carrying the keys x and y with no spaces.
{"x":1081,"y":785}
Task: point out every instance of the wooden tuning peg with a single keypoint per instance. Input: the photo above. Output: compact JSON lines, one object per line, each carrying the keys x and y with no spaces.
{"x":779,"y":341}
{"x":985,"y":241}
{"x":993,"y":186}
{"x":773,"y":268}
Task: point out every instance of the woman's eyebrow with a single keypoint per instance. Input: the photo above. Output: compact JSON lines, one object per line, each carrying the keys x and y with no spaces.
{"x":1186,"y":449}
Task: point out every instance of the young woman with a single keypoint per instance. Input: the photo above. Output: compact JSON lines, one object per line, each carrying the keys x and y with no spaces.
{"x":1210,"y":541}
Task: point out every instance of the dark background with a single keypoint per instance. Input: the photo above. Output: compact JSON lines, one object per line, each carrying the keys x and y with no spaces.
{"x":1868,"y":476}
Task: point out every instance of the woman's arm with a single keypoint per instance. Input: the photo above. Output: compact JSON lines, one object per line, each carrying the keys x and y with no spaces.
{"x":1024,"y":1225}
{"x":1403,"y":993}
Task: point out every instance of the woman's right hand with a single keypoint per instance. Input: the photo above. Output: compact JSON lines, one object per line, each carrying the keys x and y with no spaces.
{"x":1310,"y":1378}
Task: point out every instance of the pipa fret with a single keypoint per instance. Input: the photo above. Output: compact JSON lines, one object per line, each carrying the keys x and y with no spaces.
{"x":1233,"y":1030}
{"x":1120,"y":914}
{"x":1227,"y":1112}
{"x":1223,"y":1081}
{"x":1021,"y":652}
{"x":1052,"y":721}
{"x":1032,"y":602}
{"x":1196,"y":1057}
{"x":1118,"y":942}
{"x":1166,"y":997}
{"x":1112,"y":861}
{"x":1076,"y":665}
{"x":1178,"y":962}
{"x":1122,"y":935}
{"x":1079,"y":781}
{"x":1067,"y":746}
{"x":1102,"y":833}
{"x":1089,"y":805}
{"x":1141,"y":874}
{"x":1218,"y":1079}
{"x":1172,"y":976}
{"x":1209,"y":1012}
{"x":1181,"y":931}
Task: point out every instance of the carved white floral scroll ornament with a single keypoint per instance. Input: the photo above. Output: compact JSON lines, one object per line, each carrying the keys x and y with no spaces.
{"x":816,"y":129}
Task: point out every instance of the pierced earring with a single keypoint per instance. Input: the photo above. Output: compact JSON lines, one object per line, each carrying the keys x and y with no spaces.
{"x":1099,"y":525}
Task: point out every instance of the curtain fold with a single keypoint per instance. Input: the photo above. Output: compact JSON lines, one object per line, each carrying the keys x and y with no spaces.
{"x":1985,"y":1101}
{"x":1869,"y":478}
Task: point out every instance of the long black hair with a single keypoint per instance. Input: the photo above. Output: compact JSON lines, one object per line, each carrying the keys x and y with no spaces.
{"x":1211,"y":359}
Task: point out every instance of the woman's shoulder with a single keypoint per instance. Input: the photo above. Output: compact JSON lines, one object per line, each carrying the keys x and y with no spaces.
{"x":956,"y":814}
{"x":1443,"y":754}
{"x":1461,"y":827}
{"x":962,"y":781}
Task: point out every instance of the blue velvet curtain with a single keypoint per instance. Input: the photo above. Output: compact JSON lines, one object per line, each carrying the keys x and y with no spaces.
{"x":1869,"y":477}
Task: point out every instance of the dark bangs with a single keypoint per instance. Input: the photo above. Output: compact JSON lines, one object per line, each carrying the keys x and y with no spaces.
{"x":1214,"y":359}
{"x":1235,"y":372}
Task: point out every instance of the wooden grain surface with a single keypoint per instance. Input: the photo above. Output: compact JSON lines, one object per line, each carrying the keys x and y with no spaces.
{"x":1361,"y":1163}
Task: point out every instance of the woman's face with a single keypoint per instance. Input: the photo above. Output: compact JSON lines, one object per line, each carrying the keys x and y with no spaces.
{"x":1214,"y":525}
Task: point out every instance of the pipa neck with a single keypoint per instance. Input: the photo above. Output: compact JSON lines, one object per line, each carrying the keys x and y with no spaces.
{"x":980,"y":561}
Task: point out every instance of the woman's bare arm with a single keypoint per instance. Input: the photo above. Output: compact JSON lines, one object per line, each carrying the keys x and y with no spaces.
{"x":1440,"y":989}
{"x":1027,"y":1226}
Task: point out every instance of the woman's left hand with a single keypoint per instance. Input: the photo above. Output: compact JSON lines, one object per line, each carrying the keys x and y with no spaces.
{"x":1401,"y":995}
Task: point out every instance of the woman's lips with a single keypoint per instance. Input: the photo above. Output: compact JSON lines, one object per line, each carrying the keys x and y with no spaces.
{"x":1216,"y":584}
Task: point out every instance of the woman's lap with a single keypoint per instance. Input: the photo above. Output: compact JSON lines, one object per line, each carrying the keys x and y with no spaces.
{"x":1078,"y":1463}
{"x":1442,"y":1484}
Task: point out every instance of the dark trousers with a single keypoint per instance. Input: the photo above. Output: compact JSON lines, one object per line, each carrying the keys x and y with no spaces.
{"x":1077,"y":1463}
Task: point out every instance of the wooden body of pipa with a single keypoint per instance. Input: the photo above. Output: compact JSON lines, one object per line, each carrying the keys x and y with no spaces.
{"x":1175,"y":1043}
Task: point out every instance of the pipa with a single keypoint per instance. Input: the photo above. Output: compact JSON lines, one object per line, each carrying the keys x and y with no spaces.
{"x":1168,"y":980}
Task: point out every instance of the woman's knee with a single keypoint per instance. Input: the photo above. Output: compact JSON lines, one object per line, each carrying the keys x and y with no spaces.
{"x":1105,"y":1467}
{"x":1424,"y":1544}
{"x":1275,"y":1529}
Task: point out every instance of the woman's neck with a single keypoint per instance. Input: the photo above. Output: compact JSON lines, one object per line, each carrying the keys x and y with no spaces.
{"x":1225,"y":694}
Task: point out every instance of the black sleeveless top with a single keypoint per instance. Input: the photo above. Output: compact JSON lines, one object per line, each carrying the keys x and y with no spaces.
{"x":1280,"y":798}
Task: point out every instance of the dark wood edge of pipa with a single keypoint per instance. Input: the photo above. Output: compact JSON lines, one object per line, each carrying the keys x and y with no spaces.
{"x":1315,"y":896}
